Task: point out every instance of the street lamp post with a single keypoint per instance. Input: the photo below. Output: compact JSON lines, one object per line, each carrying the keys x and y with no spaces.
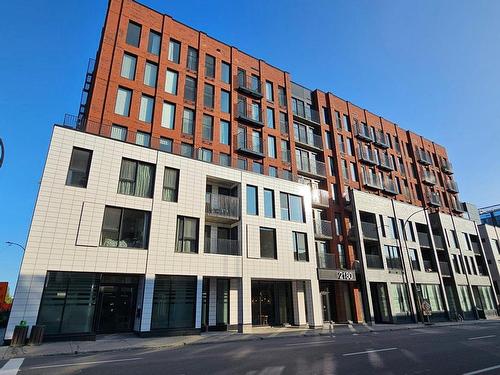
{"x":10,"y":243}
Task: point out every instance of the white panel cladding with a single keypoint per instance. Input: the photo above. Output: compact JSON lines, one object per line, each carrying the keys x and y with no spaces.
{"x":251,"y":239}
{"x":67,"y":221}
{"x":89,"y":228}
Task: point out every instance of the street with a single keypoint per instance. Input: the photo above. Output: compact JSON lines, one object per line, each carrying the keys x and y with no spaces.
{"x":430,"y":350}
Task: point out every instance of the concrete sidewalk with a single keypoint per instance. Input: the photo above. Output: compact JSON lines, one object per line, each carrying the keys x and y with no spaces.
{"x":117,"y":342}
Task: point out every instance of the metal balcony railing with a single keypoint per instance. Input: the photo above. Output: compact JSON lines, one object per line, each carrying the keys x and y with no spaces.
{"x":381,"y":139}
{"x":320,"y":198}
{"x":429,"y":266}
{"x":428,"y":177}
{"x":248,"y":145}
{"x":369,"y":230}
{"x":423,"y":239}
{"x":323,"y":229}
{"x":372,"y":180}
{"x":452,"y":186}
{"x":250,"y":113}
{"x":393,"y":263}
{"x":374,"y":261}
{"x":222,"y":246}
{"x":311,"y":166}
{"x":446,"y":166}
{"x":386,"y":162}
{"x":364,"y":132}
{"x":327,"y":261}
{"x":423,"y":157}
{"x":438,"y":241}
{"x":312,"y":140}
{"x":249,"y":85}
{"x":434,"y":199}
{"x":310,"y":115}
{"x":390,"y":186}
{"x":457,"y":206}
{"x":367,"y":155}
{"x":222,"y":206}
{"x":445,"y":268}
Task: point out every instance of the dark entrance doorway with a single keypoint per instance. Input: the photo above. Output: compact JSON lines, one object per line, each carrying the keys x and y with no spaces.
{"x":272,"y":303}
{"x":116,"y":303}
{"x":380,"y":302}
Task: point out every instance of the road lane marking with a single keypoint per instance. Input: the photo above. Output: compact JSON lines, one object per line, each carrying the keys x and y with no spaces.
{"x":12,"y":366}
{"x":483,"y":370}
{"x":83,"y":363}
{"x":369,"y":351}
{"x":481,"y":337}
{"x":310,"y":343}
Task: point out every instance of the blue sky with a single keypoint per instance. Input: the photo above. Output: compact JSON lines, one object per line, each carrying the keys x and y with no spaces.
{"x":431,"y":66}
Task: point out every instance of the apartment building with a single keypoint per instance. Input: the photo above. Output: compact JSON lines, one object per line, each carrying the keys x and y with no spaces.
{"x":490,"y":236}
{"x":257,"y":160}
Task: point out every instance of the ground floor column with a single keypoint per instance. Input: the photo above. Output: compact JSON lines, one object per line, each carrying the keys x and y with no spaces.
{"x":245,"y":298}
{"x":199,"y":301}
{"x":234,"y":303}
{"x":147,"y":301}
{"x":299,"y":303}
{"x":357,"y":303}
{"x":314,"y":307}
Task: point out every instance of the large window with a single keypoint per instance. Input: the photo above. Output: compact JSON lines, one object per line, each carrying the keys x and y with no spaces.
{"x":168,"y":115}
{"x":270,"y":118}
{"x":252,"y":200}
{"x":174,"y":51}
{"x":190,"y":89}
{"x":146,"y":110}
{"x":129,"y":63}
{"x":208,"y":96}
{"x":123,"y":227}
{"x":399,"y":299}
{"x":269,"y":203}
{"x":79,"y":167}
{"x":268,"y":243}
{"x":300,"y":247}
{"x":225,"y":72}
{"x":136,"y":178}
{"x":291,"y":207}
{"x":171,"y":82}
{"x":431,"y":293}
{"x":154,"y":43}
{"x":271,"y":146}
{"x":170,"y":184}
{"x":392,"y":257}
{"x":133,"y":34}
{"x":208,"y":128}
{"x":187,"y":234}
{"x":188,"y":121}
{"x":150,"y":73}
{"x":225,"y":101}
{"x":269,"y":91}
{"x":209,"y":66}
{"x":174,"y":302}
{"x":123,"y":98}
{"x":192,"y":59}
{"x":224,"y":132}
{"x":282,"y":96}
{"x":119,"y":132}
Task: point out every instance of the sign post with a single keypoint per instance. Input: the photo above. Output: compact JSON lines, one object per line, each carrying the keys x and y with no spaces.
{"x":426,"y":310}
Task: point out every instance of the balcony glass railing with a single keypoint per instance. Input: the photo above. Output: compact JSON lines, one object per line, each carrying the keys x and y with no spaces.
{"x":369,"y":230}
{"x":249,"y":144}
{"x":372,"y":180}
{"x":452,"y":186}
{"x":327,"y":261}
{"x":311,"y":166}
{"x":390,"y":186}
{"x":222,"y":205}
{"x":434,"y":199}
{"x":446,"y":166}
{"x":308,"y":114}
{"x":381,"y":139}
{"x":320,"y":197}
{"x":424,"y":157}
{"x":368,"y":155}
{"x":323,"y":229}
{"x":222,"y":246}
{"x":364,"y":132}
{"x":312,"y":140}
{"x":428,"y":177}
{"x":249,"y":85}
{"x":249,"y":112}
{"x":386,"y":162}
{"x":374,"y":261}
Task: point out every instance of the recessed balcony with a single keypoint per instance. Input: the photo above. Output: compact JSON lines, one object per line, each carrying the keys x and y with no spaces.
{"x":372,"y":180}
{"x":311,"y":167}
{"x":320,"y":198}
{"x":381,"y":139}
{"x":307,"y":115}
{"x":424,"y":157}
{"x":309,"y":141}
{"x":222,"y":208}
{"x":323,"y":229}
{"x":367,"y":155}
{"x":428,"y":177}
{"x":386,"y":162}
{"x":222,"y":246}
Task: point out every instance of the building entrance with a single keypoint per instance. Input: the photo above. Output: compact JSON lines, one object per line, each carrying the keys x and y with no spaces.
{"x":272,"y":303}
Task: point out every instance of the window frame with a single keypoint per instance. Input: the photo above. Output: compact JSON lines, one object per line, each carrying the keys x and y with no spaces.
{"x":87,"y":171}
{"x":181,"y":218}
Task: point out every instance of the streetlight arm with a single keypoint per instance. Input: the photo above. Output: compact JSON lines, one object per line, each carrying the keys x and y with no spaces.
{"x":10,"y":243}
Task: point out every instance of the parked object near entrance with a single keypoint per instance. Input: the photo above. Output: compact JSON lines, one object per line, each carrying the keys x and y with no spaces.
{"x":36,"y":335}
{"x":20,"y":335}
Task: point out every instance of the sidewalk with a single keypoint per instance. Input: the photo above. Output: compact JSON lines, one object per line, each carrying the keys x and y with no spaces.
{"x":117,"y":342}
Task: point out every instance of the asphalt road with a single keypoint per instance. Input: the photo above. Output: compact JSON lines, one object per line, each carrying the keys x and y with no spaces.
{"x":444,"y":350}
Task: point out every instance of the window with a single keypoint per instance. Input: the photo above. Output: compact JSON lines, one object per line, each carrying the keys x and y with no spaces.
{"x":269,"y":203}
{"x":392,"y":258}
{"x":291,"y":207}
{"x":271,"y":146}
{"x":208,"y":128}
{"x":331,"y":163}
{"x":338,"y":122}
{"x":347,"y":123}
{"x":270,"y":118}
{"x":136,"y":178}
{"x":326,"y":115}
{"x":415,"y":264}
{"x":168,"y":115}
{"x":269,"y":91}
{"x":268,"y":243}
{"x":154,"y":42}
{"x":399,"y":298}
{"x":341,"y":143}
{"x":224,"y":101}
{"x":328,"y":137}
{"x":123,"y":98}
{"x":338,"y":224}
{"x":119,"y":132}
{"x":282,"y":96}
{"x":350,"y":147}
{"x":187,"y":234}
{"x":187,"y":150}
{"x":133,"y":34}
{"x":242,"y":164}
{"x":142,"y":139}
{"x":208,"y":97}
{"x":224,"y":132}
{"x":205,"y":155}
{"x":354,"y":172}
{"x":192,"y":59}
{"x":146,"y":109}
{"x":188,"y":121}
{"x":342,"y":258}
{"x":129,"y":63}
{"x":257,"y":167}
{"x":166,"y":144}
{"x":467,"y":241}
{"x":124,"y":227}
{"x":285,"y":151}
{"x":431,"y":293}
{"x":225,"y":72}
{"x":225,"y":160}
{"x":171,"y":82}
{"x":174,"y":51}
{"x":392,"y":230}
{"x":252,"y":200}
{"x":300,"y":247}
{"x":170,"y":184}
{"x":79,"y":167}
{"x":273,"y":171}
{"x":150,"y":73}
{"x":190,"y":89}
{"x":209,"y":66}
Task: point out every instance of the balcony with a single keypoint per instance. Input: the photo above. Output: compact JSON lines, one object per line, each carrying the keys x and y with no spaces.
{"x":424,"y":157}
{"x":364,"y":132}
{"x":320,"y":198}
{"x":369,"y":231}
{"x":428,"y":177}
{"x":372,"y":180}
{"x":429,"y":266}
{"x":249,"y":146}
{"x":323,"y":229}
{"x":452,"y":186}
{"x":307,"y":115}
{"x":310,"y":141}
{"x":222,"y":208}
{"x":249,"y":113}
{"x":327,"y":260}
{"x":367,"y":155}
{"x":434,"y":199}
{"x":386,"y":162}
{"x":374,"y":261}
{"x":249,"y":85}
{"x":381,"y":139}
{"x":457,"y":206}
{"x":446,"y":166}
{"x":311,"y":167}
{"x":438,"y":242}
{"x":423,"y":239}
{"x":222,"y":246}
{"x":390,"y":186}
{"x":475,"y":247}
{"x":445,"y":268}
